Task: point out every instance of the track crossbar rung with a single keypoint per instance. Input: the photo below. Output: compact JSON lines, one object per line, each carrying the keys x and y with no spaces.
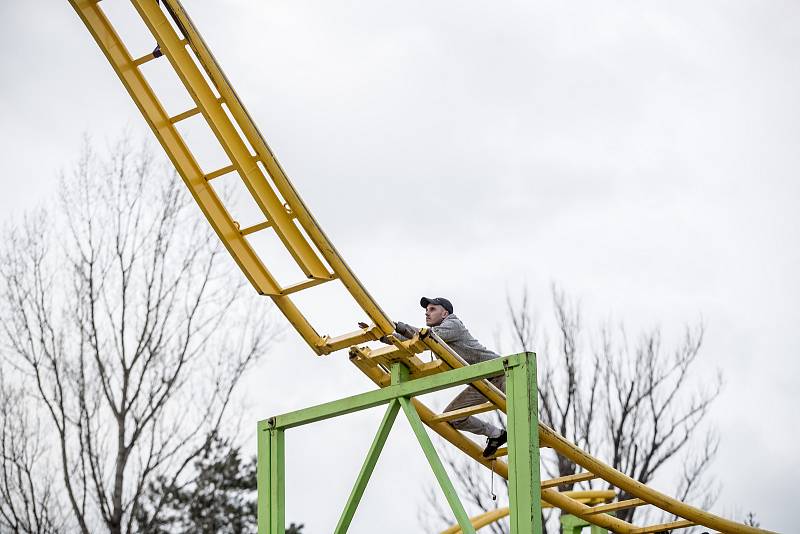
{"x":463,"y":412}
{"x":220,"y":172}
{"x":663,"y":527}
{"x":329,"y":344}
{"x":152,"y":55}
{"x":569,"y":479}
{"x":614,"y":506}
{"x":189,"y":113}
{"x":256,"y":227}
{"x":294,"y":288}
{"x":144,"y":59}
{"x":185,"y":115}
{"x":392,"y":353}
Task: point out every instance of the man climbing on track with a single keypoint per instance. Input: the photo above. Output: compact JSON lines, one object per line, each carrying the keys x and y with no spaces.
{"x":440,"y":318}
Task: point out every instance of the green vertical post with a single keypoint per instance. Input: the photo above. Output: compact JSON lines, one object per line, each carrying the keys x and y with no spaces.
{"x":262,"y":477}
{"x":270,"y":480}
{"x":524,"y":484}
{"x":277,"y":498}
{"x":399,"y":373}
{"x":368,"y":467}
{"x":571,"y":524}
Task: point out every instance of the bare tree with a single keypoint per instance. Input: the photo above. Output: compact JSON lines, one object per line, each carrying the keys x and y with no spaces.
{"x":124,"y":325}
{"x":633,"y":406}
{"x":478,"y":492}
{"x":26,"y":496}
{"x":651,"y":414}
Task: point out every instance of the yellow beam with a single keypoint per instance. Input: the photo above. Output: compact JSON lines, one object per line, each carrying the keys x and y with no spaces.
{"x":278,"y":175}
{"x":562,"y":446}
{"x":548,"y":437}
{"x":230,"y":140}
{"x":294,"y":288}
{"x":664,"y":527}
{"x":220,"y":172}
{"x":464,"y":412}
{"x":568,"y":479}
{"x":637,"y":489}
{"x":615,"y":506}
{"x":472,"y":449}
{"x":571,"y":506}
{"x":492,"y":516}
{"x":256,"y":228}
{"x":145,"y":99}
{"x":482,"y":520}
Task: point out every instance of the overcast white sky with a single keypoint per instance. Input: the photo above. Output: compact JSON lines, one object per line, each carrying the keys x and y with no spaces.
{"x":642,"y":154}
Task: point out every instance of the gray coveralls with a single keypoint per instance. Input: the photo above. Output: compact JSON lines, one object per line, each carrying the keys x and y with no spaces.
{"x":454,"y":333}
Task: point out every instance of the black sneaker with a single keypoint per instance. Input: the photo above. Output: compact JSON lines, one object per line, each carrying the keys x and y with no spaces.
{"x":492,"y":444}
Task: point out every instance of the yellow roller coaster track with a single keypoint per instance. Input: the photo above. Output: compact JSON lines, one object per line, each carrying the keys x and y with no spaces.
{"x":249,"y":156}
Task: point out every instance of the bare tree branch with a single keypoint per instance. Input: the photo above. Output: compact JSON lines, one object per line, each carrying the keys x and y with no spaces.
{"x":123,"y":314}
{"x":633,"y":404}
{"x":28,"y":503}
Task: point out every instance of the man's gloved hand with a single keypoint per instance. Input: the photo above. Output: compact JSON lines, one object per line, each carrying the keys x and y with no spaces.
{"x":405,"y":329}
{"x":382,"y":339}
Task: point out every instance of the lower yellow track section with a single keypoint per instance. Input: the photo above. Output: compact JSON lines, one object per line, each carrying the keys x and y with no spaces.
{"x":284,"y":214}
{"x":591,"y":497}
{"x":374,"y":364}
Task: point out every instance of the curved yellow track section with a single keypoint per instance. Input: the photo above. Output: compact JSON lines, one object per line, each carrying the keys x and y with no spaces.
{"x":285,"y":214}
{"x":589,"y":497}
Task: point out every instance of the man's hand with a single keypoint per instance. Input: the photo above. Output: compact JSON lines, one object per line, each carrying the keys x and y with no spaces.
{"x":382,"y":339}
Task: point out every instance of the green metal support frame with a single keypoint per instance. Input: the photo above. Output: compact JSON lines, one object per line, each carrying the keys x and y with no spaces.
{"x":523,"y":449}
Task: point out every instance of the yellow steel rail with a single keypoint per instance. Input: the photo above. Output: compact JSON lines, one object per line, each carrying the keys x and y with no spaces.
{"x":285,"y":214}
{"x":370,"y":362}
{"x":589,"y":497}
{"x":270,"y":189}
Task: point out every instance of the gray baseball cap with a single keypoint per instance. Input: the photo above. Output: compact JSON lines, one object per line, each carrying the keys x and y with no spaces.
{"x":441,"y":301}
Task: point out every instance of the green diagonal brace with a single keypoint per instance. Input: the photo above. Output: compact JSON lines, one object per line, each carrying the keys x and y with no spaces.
{"x":368,"y":467}
{"x":438,"y":469}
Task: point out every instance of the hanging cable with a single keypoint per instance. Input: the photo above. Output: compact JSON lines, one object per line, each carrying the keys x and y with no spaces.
{"x":491,"y":484}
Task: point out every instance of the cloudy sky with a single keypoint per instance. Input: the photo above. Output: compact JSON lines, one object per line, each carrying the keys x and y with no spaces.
{"x":644,"y":155}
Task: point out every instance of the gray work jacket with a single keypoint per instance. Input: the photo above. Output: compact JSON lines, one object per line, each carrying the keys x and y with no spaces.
{"x":454,"y":333}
